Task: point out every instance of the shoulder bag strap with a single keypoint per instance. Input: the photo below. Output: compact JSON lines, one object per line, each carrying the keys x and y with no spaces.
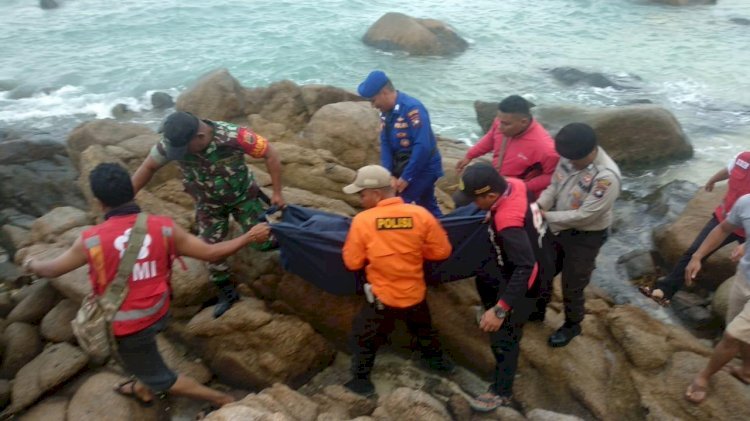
{"x":116,"y":291}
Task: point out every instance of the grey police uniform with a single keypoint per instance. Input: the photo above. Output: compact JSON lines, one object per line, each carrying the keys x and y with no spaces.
{"x":578,"y":208}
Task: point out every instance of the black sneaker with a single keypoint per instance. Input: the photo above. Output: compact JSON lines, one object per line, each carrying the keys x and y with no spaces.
{"x":228,"y":295}
{"x":362,"y":387}
{"x":564,"y":335}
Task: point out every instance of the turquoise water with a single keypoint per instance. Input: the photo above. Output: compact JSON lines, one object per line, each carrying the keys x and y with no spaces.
{"x":64,"y":66}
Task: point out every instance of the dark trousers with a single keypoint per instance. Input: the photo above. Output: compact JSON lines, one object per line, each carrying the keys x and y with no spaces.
{"x":579,"y":250}
{"x":421,"y":190}
{"x":506,"y":342}
{"x":676,"y":278}
{"x":371,"y":328}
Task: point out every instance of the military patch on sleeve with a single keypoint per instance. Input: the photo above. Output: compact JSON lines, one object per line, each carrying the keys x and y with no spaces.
{"x":253,"y":144}
{"x":601,"y":187}
{"x":416,"y":120}
{"x":394,"y":223}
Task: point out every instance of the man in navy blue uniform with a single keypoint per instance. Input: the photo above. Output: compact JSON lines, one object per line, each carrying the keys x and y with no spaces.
{"x":408,"y":148}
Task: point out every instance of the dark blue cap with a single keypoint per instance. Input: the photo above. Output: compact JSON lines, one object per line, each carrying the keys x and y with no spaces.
{"x":373,"y":84}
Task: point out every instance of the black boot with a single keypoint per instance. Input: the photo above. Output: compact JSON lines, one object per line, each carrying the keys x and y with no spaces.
{"x":361,"y":386}
{"x":227,"y":296}
{"x":564,"y":335}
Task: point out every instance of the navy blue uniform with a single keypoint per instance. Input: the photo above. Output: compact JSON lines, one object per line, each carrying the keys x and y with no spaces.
{"x":408,"y":149}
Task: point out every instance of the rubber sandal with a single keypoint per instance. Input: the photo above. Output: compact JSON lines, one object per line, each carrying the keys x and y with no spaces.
{"x":648,"y":292}
{"x":489,"y":402}
{"x":121,"y":388}
{"x":696,"y":393}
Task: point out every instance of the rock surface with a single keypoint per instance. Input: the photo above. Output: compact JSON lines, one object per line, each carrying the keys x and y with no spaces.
{"x":399,"y":32}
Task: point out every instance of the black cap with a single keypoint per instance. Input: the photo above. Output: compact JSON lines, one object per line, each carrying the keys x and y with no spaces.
{"x":575,"y":141}
{"x":476,"y":180}
{"x":178,"y":129}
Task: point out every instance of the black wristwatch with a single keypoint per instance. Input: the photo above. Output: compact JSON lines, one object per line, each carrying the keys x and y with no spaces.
{"x":500,"y":312}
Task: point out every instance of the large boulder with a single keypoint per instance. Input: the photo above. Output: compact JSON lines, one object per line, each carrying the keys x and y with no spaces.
{"x":51,"y":368}
{"x":399,"y":32}
{"x":55,"y":326}
{"x":486,"y":113}
{"x":349,"y":130}
{"x":317,"y":171}
{"x":101,"y":132}
{"x":51,"y":409}
{"x":281,"y":102}
{"x":571,"y":76}
{"x":95,"y":400}
{"x":190,"y":284}
{"x":215,"y":96}
{"x":178,"y":359}
{"x":720,"y":300}
{"x":633,"y":135}
{"x":409,"y":404}
{"x":48,"y":227}
{"x":251,"y":347}
{"x":22,"y":343}
{"x":672,"y":240}
{"x":161,"y":100}
{"x":41,"y":298}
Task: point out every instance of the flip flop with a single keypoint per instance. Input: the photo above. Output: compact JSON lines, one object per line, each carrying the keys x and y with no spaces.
{"x":648,"y":292}
{"x":489,"y":402}
{"x":696,"y":393}
{"x":738,"y":374}
{"x":129,"y":392}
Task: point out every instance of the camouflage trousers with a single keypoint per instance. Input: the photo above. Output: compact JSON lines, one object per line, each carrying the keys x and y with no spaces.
{"x":213,"y":227}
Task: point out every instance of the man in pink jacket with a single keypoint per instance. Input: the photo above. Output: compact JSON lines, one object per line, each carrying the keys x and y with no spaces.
{"x":520,"y":146}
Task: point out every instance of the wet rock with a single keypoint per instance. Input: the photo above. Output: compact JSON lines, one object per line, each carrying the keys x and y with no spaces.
{"x":55,"y":325}
{"x":250,"y":347}
{"x":405,"y":403}
{"x":633,"y":135}
{"x":486,"y":113}
{"x":41,"y":298}
{"x":48,"y":4}
{"x":349,"y":130}
{"x":669,"y":200}
{"x":22,"y":344}
{"x":54,"y":366}
{"x":161,"y":100}
{"x":48,"y":227}
{"x":672,"y":240}
{"x":637,"y":263}
{"x":38,"y":186}
{"x":95,"y":400}
{"x":101,"y":132}
{"x":74,"y":285}
{"x":399,"y":32}
{"x":740,"y":21}
{"x":13,"y":238}
{"x":23,"y":151}
{"x":569,"y":76}
{"x":122,"y":112}
{"x":215,"y":96}
{"x":50,"y":409}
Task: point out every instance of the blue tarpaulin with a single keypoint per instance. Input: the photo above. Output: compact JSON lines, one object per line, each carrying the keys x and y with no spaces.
{"x":311,"y":242}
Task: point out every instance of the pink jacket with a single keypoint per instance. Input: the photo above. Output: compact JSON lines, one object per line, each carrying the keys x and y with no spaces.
{"x":530,"y":156}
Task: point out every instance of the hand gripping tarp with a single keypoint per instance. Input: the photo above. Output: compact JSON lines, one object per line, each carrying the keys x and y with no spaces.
{"x":311,"y":242}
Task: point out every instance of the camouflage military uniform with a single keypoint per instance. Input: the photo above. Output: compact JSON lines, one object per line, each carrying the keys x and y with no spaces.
{"x":222,"y":185}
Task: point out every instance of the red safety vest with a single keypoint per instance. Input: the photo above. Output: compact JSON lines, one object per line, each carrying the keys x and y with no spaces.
{"x":738,"y":186}
{"x":148,"y":295}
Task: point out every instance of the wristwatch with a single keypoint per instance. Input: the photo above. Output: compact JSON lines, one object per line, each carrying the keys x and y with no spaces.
{"x":500,"y":312}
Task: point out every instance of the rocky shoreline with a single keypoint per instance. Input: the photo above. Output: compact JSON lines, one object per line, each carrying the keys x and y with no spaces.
{"x":626,"y":365}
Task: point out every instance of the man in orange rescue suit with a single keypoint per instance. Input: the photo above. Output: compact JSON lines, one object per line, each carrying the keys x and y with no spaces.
{"x":390,"y":240}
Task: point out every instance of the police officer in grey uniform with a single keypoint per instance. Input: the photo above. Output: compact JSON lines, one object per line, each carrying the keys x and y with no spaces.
{"x":577,"y":206}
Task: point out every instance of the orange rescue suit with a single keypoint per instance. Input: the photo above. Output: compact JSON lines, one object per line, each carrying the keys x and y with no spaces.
{"x":391,"y":241}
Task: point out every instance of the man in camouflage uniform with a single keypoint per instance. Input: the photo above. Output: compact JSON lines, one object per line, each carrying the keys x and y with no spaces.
{"x":211,"y":155}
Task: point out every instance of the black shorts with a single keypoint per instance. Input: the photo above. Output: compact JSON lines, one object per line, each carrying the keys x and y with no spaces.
{"x":140,"y":356}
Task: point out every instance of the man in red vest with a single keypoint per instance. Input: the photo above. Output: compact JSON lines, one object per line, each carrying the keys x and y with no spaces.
{"x":737,"y":172}
{"x":145,"y":310}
